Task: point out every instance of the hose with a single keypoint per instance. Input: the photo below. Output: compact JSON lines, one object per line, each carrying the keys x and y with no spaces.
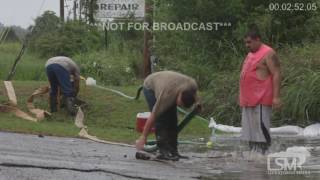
{"x":151,"y":146}
{"x":138,"y":95}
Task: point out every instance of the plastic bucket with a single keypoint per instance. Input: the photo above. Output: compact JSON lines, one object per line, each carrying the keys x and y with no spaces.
{"x":141,"y":121}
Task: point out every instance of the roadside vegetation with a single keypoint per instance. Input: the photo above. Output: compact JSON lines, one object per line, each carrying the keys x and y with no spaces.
{"x":108,"y":116}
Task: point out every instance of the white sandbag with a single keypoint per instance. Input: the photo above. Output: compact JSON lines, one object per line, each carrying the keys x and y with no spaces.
{"x":287,"y":130}
{"x":309,"y":131}
{"x":312,"y":130}
{"x":91,"y":82}
{"x":224,"y":128}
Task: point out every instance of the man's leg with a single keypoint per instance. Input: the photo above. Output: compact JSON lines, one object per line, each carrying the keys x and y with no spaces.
{"x":255,"y":127}
{"x":167,"y":134}
{"x":265,"y":117}
{"x":173,"y":130}
{"x":53,"y":88}
{"x":246,"y":119}
{"x":63,"y":77}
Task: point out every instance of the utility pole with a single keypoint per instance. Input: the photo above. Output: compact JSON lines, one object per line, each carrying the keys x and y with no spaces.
{"x":75,"y":10}
{"x":62,"y":10}
{"x":80,"y":10}
{"x":147,"y":40}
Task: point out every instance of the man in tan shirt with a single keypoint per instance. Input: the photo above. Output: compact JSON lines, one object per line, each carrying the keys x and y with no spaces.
{"x":63,"y":73}
{"x":164,"y":91}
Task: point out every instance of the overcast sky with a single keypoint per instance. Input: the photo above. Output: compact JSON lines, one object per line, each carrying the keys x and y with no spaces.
{"x":23,"y":12}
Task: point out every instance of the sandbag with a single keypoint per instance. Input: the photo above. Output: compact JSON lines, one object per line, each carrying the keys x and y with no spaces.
{"x":39,"y":113}
{"x":10,"y":93}
{"x":17,"y":112}
{"x":84,"y":132}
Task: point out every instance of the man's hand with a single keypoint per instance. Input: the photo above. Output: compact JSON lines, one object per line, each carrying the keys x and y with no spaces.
{"x":198,"y":107}
{"x":141,"y":142}
{"x":76,"y":87}
{"x":276,"y":103}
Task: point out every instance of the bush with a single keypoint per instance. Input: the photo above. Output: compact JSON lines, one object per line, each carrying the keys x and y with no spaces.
{"x":108,"y":68}
{"x":299,"y":92}
{"x":50,"y":37}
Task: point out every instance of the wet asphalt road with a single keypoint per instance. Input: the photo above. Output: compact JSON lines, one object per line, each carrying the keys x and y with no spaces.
{"x":32,"y":157}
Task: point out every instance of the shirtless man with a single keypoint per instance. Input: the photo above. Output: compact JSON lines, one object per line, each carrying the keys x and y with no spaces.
{"x":259,"y":91}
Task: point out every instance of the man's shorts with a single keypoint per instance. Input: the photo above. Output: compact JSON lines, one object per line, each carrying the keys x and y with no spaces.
{"x":256,"y":124}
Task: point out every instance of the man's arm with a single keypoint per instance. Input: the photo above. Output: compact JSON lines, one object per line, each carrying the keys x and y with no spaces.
{"x":273,"y":64}
{"x":76,"y":84}
{"x":158,"y":108}
{"x":147,"y":127}
{"x":76,"y":78}
{"x":198,"y":103}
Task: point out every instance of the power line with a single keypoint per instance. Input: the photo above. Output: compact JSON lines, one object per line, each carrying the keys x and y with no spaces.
{"x":38,"y":13}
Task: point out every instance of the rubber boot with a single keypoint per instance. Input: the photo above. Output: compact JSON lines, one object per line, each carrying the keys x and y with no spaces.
{"x":53,"y":104}
{"x":172,"y":140}
{"x":71,"y":107}
{"x":166,"y":150}
{"x":166,"y":155}
{"x":176,"y":153}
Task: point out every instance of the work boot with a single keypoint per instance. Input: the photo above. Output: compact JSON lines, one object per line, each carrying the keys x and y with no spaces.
{"x":166,"y":155}
{"x":53,"y":104}
{"x":71,"y":107}
{"x":179,"y":155}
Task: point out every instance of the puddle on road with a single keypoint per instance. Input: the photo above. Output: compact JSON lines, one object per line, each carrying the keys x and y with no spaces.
{"x":229,"y":158}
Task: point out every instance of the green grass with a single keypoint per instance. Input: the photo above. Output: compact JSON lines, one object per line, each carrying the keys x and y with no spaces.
{"x":108,"y":116}
{"x":112,"y":117}
{"x":31,"y":67}
{"x":107,"y":67}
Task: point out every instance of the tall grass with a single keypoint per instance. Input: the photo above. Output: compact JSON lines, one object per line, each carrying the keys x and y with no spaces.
{"x":115,"y":66}
{"x":301,"y":85}
{"x":121,"y":65}
{"x":300,"y":91}
{"x":31,"y":67}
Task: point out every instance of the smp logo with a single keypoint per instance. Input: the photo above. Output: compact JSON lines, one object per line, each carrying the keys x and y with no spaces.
{"x":286,"y":163}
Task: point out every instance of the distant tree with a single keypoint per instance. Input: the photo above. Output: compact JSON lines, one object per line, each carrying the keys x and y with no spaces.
{"x":20,"y":32}
{"x":51,"y":37}
{"x":11,"y":36}
{"x":47,"y":22}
